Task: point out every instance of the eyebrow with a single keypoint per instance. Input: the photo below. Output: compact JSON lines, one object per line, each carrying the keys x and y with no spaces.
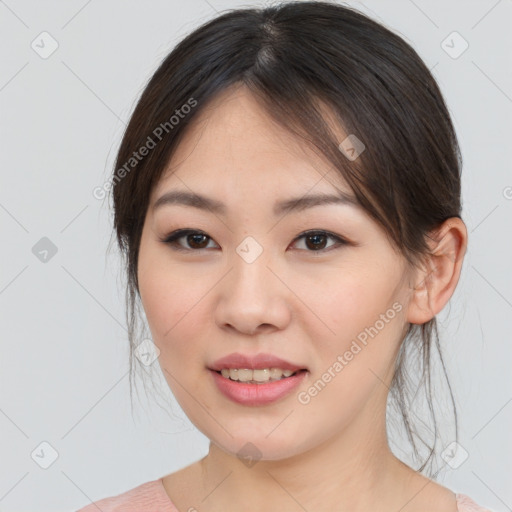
{"x":195,"y":200}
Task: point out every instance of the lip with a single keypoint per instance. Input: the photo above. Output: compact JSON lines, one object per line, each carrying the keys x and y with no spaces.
{"x":254,"y":362}
{"x":257,"y":394}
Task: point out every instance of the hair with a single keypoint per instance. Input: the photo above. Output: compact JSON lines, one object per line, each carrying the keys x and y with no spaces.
{"x":303,"y":60}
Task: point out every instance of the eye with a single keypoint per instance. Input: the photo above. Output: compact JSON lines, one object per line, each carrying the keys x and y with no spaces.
{"x":198,"y":240}
{"x":317,"y":240}
{"x":195,"y":238}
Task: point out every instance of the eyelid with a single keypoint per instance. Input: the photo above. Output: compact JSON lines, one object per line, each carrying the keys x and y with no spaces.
{"x":173,"y":237}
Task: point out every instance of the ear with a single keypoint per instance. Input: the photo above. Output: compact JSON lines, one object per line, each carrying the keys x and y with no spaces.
{"x":434,"y":284}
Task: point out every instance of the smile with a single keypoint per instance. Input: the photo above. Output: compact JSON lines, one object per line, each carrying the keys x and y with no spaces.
{"x":256,"y":376}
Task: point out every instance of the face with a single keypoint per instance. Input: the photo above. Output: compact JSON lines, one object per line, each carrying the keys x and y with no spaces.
{"x":248,"y":280}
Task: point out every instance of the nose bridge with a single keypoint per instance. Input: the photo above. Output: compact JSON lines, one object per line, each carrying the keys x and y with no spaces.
{"x":250,"y":265}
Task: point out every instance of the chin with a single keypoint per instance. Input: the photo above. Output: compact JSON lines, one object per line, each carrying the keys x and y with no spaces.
{"x":259,"y":447}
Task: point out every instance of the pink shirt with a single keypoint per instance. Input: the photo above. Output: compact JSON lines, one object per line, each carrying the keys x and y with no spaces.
{"x":152,"y":497}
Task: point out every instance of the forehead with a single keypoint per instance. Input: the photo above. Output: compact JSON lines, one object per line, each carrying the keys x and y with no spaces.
{"x":234,"y":140}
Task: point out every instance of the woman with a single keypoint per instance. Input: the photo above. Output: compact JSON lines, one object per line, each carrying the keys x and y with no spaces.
{"x":287,"y":195}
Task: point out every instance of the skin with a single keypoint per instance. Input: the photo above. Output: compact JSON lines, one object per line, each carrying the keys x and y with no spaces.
{"x":301,"y":304}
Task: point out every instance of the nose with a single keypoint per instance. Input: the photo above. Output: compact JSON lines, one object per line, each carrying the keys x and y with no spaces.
{"x":252,"y":298}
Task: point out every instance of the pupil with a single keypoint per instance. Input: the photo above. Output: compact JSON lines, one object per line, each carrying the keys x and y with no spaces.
{"x":196,"y":237}
{"x":316,"y":245}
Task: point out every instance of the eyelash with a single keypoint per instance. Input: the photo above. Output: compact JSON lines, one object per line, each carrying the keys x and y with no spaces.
{"x":173,"y":238}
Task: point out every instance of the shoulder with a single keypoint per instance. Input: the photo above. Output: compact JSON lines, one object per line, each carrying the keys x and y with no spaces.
{"x":149,"y":495}
{"x":435,"y":496}
{"x":466,"y":504}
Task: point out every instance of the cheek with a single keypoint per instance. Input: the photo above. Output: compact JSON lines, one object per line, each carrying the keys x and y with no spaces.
{"x":166,"y":294}
{"x":355,"y":301}
{"x":169,"y":305}
{"x":364,"y":314}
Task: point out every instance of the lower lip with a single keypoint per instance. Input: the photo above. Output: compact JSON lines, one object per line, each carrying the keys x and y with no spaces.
{"x":257,"y":394}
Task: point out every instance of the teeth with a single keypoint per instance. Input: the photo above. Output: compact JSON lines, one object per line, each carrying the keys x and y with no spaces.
{"x":255,"y":376}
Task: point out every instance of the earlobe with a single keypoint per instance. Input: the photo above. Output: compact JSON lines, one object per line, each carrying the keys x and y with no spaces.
{"x":436,"y":282}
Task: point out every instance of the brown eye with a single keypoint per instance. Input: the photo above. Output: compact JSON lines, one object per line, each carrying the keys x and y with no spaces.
{"x":196,"y":240}
{"x":316,"y":241}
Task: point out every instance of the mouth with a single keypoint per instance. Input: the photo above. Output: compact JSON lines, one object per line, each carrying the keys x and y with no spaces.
{"x":256,"y":379}
{"x":257,"y":376}
{"x":257,"y":387}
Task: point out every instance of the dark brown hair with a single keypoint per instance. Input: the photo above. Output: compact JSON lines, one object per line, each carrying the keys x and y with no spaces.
{"x":299,"y":58}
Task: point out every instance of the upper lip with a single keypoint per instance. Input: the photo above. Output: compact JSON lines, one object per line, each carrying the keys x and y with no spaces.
{"x":253,"y":362}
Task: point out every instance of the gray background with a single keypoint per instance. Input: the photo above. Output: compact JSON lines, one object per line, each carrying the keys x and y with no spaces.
{"x":64,"y":353}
